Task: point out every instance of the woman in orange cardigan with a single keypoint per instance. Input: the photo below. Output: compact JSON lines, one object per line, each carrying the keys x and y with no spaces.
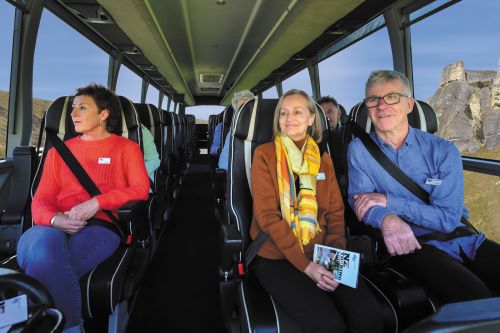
{"x":63,"y":246}
{"x":297,"y":203}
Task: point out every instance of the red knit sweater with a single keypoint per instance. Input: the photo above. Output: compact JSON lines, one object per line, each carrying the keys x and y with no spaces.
{"x":115,"y":164}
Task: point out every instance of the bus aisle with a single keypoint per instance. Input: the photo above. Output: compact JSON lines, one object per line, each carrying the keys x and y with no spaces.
{"x":180,"y":291}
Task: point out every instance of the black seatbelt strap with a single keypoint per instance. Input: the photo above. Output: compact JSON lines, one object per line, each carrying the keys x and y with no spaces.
{"x":406,"y":181}
{"x":82,"y":176}
{"x":254,"y":248}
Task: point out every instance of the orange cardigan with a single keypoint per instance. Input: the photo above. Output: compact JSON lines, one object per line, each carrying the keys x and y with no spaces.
{"x":267,"y":213}
{"x":115,"y":164}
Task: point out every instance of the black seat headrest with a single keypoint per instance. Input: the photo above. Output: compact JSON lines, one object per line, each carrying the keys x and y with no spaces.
{"x":422,"y":117}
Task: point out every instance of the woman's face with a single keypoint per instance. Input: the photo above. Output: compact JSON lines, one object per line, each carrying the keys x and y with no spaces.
{"x":86,"y":116}
{"x":295,"y":117}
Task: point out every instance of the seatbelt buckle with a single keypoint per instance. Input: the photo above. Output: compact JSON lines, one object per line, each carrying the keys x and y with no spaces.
{"x":241,"y":269}
{"x":128,"y":241}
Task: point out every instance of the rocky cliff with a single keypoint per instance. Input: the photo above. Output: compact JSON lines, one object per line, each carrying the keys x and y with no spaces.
{"x":467,"y":104}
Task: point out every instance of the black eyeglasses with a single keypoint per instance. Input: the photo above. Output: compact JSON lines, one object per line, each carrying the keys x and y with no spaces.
{"x":389,"y":99}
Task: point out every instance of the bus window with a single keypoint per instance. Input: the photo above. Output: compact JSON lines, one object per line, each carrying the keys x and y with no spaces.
{"x":59,"y":68}
{"x":343,"y":76}
{"x":130,"y":85}
{"x":300,"y":81}
{"x":6,"y":29}
{"x":270,"y":93}
{"x":152,"y":96}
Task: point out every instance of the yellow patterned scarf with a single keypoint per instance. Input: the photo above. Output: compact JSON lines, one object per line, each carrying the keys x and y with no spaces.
{"x":301,"y":213}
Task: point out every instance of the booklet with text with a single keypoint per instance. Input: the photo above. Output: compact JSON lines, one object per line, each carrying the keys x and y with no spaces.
{"x":343,"y":264}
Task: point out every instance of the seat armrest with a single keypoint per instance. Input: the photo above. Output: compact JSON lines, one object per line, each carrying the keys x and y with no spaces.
{"x":134,"y":215}
{"x":230,"y":246}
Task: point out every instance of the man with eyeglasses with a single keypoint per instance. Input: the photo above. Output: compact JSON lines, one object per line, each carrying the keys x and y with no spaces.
{"x":383,"y":203}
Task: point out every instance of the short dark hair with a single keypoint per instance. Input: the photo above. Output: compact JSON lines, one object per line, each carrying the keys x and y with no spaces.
{"x":104,"y":99}
{"x":328,"y":99}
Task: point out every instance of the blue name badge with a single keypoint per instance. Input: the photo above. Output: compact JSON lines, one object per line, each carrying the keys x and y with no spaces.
{"x":321,"y":176}
{"x":433,"y":181}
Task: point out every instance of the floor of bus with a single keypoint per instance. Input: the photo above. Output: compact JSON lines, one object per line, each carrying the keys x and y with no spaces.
{"x":180,"y":291}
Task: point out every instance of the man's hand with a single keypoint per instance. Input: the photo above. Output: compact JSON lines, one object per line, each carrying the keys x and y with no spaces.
{"x":398,"y":236}
{"x":68,"y":225}
{"x":323,"y":277}
{"x":366,"y":201}
{"x":84,"y":211}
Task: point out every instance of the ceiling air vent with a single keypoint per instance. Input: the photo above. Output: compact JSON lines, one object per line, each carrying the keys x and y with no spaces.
{"x":208,"y":89}
{"x":211,"y":78}
{"x":91,"y":13}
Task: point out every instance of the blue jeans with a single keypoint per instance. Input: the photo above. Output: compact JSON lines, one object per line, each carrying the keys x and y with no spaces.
{"x":59,"y":260}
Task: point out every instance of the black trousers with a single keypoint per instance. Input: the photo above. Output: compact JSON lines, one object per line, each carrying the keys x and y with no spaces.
{"x":344,"y":310}
{"x":450,"y":280}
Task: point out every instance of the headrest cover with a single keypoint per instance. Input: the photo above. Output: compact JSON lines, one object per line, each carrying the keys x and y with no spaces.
{"x":254,"y":122}
{"x":422,"y":117}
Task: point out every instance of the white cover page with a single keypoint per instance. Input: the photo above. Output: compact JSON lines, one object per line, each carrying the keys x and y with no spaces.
{"x":342,"y":263}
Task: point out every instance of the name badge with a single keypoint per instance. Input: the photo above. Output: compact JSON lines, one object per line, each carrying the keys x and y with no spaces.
{"x":433,"y":181}
{"x":321,"y":176}
{"x":104,"y":160}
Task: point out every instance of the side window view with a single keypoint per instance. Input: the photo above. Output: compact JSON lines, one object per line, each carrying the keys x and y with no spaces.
{"x":249,"y":166}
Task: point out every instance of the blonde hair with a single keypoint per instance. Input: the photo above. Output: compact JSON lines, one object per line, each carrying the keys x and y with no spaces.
{"x":315,"y":130}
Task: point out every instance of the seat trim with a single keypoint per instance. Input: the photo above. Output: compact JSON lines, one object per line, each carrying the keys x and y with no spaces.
{"x":276,"y":314}
{"x":383,"y":295}
{"x":247,"y":316}
{"x":113,"y":280}
{"x":88,"y":291}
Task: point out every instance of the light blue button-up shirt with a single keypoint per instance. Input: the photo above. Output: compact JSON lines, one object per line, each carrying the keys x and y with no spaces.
{"x":434,"y":164}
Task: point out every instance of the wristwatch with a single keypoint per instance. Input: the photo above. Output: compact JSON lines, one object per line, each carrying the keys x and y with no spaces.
{"x":52,"y":220}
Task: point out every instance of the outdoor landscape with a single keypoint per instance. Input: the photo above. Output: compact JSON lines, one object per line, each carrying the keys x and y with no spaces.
{"x":468,"y":107}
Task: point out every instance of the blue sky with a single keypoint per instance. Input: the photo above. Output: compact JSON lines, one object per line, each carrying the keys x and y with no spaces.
{"x":467,"y":31}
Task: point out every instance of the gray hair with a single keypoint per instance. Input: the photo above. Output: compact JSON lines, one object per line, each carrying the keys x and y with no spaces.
{"x":242,"y":94}
{"x":384,"y":76}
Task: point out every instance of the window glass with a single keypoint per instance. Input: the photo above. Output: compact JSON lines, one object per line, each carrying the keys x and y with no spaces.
{"x":201,"y":112}
{"x":7,"y":13}
{"x":300,"y":81}
{"x":62,"y":67}
{"x":152,"y":96}
{"x":129,"y":85}
{"x":270,"y":93}
{"x":457,"y":71}
{"x":343,"y":76}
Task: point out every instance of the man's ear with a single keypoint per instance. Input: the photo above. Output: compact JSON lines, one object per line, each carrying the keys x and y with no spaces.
{"x":411,"y":103}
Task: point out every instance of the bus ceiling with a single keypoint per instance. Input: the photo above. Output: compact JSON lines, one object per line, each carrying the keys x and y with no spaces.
{"x":201,"y":52}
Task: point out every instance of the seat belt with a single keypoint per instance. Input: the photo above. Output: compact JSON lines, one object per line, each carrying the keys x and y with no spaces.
{"x":84,"y":179}
{"x":410,"y":185}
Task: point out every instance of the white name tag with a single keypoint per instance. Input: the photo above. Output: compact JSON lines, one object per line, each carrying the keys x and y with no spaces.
{"x":104,"y":160}
{"x":433,"y":181}
{"x":321,"y":176}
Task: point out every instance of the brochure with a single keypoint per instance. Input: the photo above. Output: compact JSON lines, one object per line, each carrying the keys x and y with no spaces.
{"x":13,"y":311}
{"x":343,"y":264}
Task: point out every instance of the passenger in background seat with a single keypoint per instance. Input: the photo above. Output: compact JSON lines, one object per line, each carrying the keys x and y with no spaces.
{"x":151,"y":157}
{"x":71,"y":234}
{"x":214,"y":148}
{"x":332,"y":111}
{"x":239,"y":98}
{"x":454,"y":267}
{"x":292,"y":167}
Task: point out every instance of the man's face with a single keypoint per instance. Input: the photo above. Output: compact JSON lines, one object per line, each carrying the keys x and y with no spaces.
{"x":389,"y":119}
{"x":332,"y":113}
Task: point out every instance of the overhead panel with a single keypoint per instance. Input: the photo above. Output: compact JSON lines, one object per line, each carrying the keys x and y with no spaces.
{"x":135,"y":19}
{"x":300,"y":24}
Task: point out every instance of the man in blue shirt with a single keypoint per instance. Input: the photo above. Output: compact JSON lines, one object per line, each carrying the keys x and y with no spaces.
{"x":383,"y":203}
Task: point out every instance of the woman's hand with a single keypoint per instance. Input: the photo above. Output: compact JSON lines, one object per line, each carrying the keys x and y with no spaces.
{"x":84,"y":211}
{"x":70,"y":226}
{"x":323,"y":277}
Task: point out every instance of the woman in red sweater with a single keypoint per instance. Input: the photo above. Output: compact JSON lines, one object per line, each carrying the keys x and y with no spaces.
{"x":297,"y":203}
{"x":61,"y":247}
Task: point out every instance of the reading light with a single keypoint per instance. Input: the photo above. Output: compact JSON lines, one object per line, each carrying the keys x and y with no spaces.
{"x":221,"y":2}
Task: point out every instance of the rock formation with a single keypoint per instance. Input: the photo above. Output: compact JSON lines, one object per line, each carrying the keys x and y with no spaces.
{"x":467,"y":104}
